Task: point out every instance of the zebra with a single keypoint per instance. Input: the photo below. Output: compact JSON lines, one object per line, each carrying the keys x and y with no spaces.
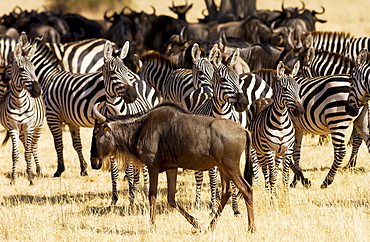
{"x":355,"y":46}
{"x":22,"y":110}
{"x":69,"y":98}
{"x":323,"y":63}
{"x":324,"y":100}
{"x":115,"y":105}
{"x":272,"y":129}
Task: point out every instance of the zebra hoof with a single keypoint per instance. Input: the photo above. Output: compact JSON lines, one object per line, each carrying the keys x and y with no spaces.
{"x":83,"y":173}
{"x":57,"y":174}
{"x":306,"y":183}
{"x":31,"y":183}
{"x":238,"y":214}
{"x":293,"y":184}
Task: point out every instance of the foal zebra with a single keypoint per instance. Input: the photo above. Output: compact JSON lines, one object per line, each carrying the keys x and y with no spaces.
{"x":22,"y":110}
{"x":272,"y":129}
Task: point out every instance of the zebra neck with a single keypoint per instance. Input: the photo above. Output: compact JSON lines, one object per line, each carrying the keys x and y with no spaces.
{"x":18,"y":97}
{"x":221,"y":109}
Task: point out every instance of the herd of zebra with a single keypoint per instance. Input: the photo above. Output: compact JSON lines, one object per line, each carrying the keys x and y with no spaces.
{"x":63,"y":82}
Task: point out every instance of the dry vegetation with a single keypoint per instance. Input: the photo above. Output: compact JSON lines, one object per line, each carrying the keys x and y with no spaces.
{"x":75,"y":208}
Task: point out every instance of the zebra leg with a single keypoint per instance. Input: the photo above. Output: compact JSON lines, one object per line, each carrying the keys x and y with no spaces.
{"x":136,"y":182}
{"x":265,"y":170}
{"x":286,"y":161}
{"x":146,"y":180}
{"x":254,"y":166}
{"x":15,"y":154}
{"x":234,"y":201}
{"x":297,"y":154}
{"x":55,"y":127}
{"x":356,"y":143}
{"x":198,"y":187}
{"x":339,"y":153}
{"x":213,"y":183}
{"x":272,"y":173}
{"x":130,"y":179}
{"x":76,"y":138}
{"x":28,"y":153}
{"x":35,"y":145}
{"x":114,"y":177}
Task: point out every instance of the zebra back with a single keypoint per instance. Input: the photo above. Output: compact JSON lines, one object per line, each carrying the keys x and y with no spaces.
{"x":328,"y":40}
{"x":356,"y":45}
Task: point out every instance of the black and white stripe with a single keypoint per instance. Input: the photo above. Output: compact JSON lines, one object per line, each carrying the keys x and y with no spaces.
{"x":22,"y":110}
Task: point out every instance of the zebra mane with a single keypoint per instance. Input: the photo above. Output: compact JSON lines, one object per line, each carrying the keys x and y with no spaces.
{"x":129,"y":117}
{"x":153,"y":55}
{"x":330,"y":34}
{"x":336,"y":55}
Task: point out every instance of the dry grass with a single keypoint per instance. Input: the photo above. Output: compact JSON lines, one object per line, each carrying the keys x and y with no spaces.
{"x":75,"y":208}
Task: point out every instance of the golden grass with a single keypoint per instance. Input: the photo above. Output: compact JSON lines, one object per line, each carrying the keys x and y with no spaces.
{"x":75,"y":208}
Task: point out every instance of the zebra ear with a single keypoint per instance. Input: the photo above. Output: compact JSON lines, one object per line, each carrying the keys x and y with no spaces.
{"x":234,"y":58}
{"x":218,"y":57}
{"x":362,"y":57}
{"x":195,"y":52}
{"x":280,"y":70}
{"x":124,"y":50}
{"x":17,"y":53}
{"x":137,"y":61}
{"x":32,"y":51}
{"x":308,"y":42}
{"x":23,"y":38}
{"x":212,"y":52}
{"x":296,"y":68}
{"x":310,"y":55}
{"x":108,"y":50}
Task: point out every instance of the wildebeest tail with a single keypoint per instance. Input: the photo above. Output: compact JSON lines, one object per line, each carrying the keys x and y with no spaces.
{"x":6,"y":138}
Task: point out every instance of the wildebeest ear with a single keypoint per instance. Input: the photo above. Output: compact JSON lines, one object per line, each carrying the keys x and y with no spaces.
{"x":362,"y":57}
{"x":108,"y":50}
{"x":280,"y":70}
{"x":195,"y":52}
{"x":107,"y":128}
{"x":124,"y":50}
{"x":296,"y":68}
{"x":234,"y":58}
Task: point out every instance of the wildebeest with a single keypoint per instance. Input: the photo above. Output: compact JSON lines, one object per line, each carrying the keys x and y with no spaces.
{"x":168,"y":137}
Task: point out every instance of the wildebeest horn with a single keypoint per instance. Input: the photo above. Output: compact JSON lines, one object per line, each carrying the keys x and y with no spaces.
{"x":182,"y":35}
{"x":126,"y":7}
{"x":323,"y":10}
{"x":173,"y":3}
{"x":97,"y":115}
{"x":106,"y":17}
{"x":153,"y":9}
{"x":282,"y":6}
{"x":19,"y":8}
{"x":303,"y":6}
{"x":204,"y":13}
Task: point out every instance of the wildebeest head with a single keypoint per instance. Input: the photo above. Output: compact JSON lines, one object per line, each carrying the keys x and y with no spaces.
{"x":360,"y":90}
{"x":23,"y":71}
{"x":118,"y":79}
{"x":289,"y":89}
{"x":226,"y":82}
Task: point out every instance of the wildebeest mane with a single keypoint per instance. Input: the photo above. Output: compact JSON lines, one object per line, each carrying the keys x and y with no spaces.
{"x":153,"y":55}
{"x":112,"y":118}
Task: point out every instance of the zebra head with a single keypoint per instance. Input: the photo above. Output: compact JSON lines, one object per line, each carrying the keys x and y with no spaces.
{"x":286,"y":89}
{"x":360,"y":91}
{"x":202,"y":68}
{"x":118,"y":79}
{"x":226,"y":82}
{"x":23,"y":71}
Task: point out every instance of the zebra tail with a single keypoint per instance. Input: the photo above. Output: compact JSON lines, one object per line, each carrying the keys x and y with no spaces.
{"x":6,"y":138}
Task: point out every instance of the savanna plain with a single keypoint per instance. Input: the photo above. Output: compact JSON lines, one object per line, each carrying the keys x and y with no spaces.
{"x":76,"y":208}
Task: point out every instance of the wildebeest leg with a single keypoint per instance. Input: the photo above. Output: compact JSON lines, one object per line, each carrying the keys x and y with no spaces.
{"x":76,"y":138}
{"x":245,"y":189}
{"x":297,"y":154}
{"x":153,"y":186}
{"x":171,"y":191}
{"x":114,"y":177}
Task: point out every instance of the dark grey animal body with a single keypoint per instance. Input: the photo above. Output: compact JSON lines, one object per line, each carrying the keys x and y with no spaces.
{"x":167,"y":138}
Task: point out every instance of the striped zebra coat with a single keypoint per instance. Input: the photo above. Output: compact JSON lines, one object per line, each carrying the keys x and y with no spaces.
{"x":273,"y":132}
{"x":22,"y":110}
{"x":69,"y":98}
